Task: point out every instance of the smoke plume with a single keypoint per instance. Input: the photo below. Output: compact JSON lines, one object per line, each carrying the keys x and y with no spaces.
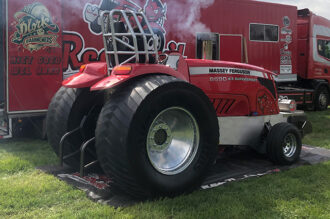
{"x":186,"y":17}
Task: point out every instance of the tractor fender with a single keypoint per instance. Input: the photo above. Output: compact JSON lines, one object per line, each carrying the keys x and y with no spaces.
{"x":87,"y":76}
{"x":137,"y":70}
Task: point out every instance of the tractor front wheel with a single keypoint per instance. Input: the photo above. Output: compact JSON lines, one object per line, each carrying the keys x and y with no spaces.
{"x":284,"y":144}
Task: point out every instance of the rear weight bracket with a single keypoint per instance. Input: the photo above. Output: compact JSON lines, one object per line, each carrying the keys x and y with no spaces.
{"x":82,"y":151}
{"x":61,"y":146}
{"x":83,"y":148}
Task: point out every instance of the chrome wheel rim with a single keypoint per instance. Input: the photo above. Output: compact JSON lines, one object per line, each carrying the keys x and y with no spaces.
{"x":172,"y":140}
{"x":290,"y":145}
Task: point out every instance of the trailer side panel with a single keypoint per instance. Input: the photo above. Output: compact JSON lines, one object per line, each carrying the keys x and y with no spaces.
{"x":34,"y":54}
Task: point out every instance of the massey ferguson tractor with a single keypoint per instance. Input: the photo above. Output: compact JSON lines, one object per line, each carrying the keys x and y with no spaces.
{"x":154,"y":122}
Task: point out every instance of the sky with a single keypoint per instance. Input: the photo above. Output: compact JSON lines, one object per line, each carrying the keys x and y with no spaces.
{"x":319,"y":7}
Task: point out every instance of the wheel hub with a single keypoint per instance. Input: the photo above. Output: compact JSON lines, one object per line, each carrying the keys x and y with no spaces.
{"x":172,"y":140}
{"x":290,"y":145}
{"x":159,"y":137}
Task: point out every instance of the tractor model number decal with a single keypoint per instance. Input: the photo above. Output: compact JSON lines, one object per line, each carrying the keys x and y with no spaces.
{"x":34,"y":28}
{"x":224,"y":79}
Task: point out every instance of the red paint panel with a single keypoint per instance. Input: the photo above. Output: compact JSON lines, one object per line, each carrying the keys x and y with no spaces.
{"x":231,"y":48}
{"x":34,"y":53}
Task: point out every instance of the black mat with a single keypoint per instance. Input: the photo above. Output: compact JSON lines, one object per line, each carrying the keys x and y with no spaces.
{"x":234,"y":164}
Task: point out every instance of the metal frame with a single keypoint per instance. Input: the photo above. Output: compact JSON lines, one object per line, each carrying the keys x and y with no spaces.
{"x":81,"y":150}
{"x":7,"y":62}
{"x":110,"y":36}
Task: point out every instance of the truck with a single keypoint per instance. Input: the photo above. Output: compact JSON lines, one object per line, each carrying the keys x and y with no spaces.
{"x":45,"y":42}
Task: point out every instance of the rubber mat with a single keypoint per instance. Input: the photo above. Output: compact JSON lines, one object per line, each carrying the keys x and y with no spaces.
{"x":234,"y":164}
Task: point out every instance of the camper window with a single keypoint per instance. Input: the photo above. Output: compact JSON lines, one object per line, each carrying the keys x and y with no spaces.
{"x":264,"y":32}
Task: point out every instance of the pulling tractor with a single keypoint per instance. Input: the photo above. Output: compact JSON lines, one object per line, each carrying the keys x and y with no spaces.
{"x":154,"y":122}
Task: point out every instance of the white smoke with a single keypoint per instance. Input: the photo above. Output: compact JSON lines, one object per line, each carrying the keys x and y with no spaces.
{"x":187,"y":16}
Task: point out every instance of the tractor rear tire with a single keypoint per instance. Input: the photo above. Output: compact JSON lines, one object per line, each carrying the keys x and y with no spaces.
{"x":65,"y":113}
{"x":156,"y":137}
{"x":284,"y":144}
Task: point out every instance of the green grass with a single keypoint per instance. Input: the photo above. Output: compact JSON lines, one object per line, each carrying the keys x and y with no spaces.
{"x":303,"y":192}
{"x":321,"y":129}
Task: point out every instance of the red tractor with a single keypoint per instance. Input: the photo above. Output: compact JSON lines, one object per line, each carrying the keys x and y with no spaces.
{"x":154,"y":122}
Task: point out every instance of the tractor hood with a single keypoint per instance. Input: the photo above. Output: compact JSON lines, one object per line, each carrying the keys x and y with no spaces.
{"x":226,"y":67}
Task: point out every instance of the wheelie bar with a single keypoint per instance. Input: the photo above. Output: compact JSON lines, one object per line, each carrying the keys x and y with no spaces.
{"x":81,"y":150}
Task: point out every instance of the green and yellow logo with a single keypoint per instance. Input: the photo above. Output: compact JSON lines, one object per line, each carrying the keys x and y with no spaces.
{"x":34,"y":28}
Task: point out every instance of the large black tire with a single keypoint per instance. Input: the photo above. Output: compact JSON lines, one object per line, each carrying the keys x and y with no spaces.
{"x":123,"y":127}
{"x":66,"y":111}
{"x":321,"y":98}
{"x":284,"y":144}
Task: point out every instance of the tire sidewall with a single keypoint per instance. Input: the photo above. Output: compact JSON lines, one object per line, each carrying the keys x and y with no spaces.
{"x":276,"y":143}
{"x":172,"y":95}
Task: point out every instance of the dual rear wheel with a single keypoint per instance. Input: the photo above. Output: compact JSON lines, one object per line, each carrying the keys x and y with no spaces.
{"x":156,"y":135}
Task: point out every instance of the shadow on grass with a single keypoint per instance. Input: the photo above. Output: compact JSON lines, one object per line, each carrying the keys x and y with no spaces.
{"x":23,"y":154}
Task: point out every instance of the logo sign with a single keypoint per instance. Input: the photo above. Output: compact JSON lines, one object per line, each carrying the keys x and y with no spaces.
{"x":155,"y":11}
{"x":35,"y":29}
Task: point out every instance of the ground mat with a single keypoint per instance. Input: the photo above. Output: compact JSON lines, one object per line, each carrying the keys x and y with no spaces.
{"x":234,"y":164}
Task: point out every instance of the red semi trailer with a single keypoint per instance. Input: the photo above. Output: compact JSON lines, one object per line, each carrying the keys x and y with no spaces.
{"x":47,"y":41}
